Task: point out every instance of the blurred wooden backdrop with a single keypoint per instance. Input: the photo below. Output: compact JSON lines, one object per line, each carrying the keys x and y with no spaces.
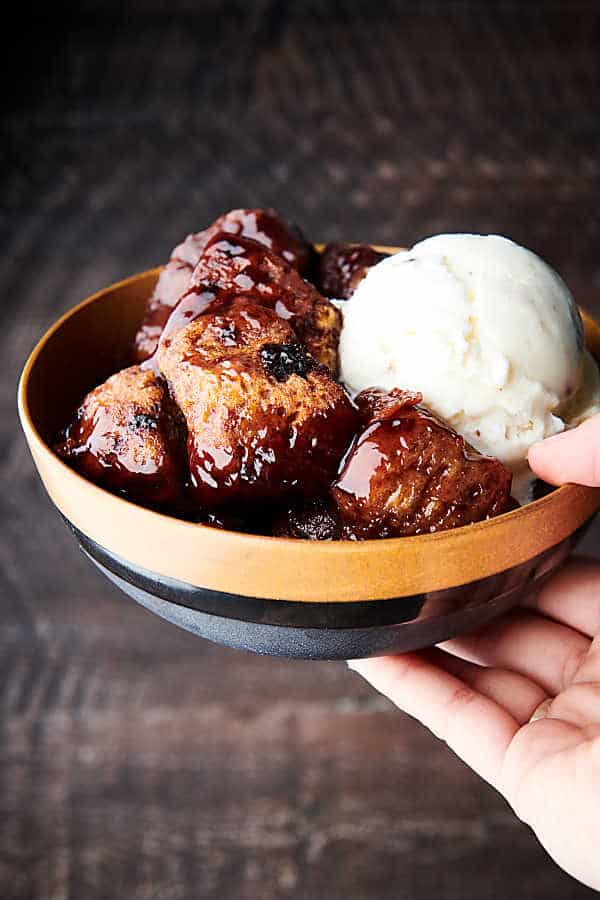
{"x":135,"y":760}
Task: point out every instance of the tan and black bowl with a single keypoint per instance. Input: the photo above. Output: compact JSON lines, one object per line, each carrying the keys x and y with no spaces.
{"x":279,"y":596}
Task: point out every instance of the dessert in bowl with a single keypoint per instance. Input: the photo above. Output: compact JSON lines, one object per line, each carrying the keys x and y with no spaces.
{"x":280,"y":513}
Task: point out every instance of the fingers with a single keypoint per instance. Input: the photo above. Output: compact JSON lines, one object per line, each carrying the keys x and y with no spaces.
{"x":473,"y":725}
{"x":570,"y":456}
{"x":544,"y":651}
{"x":572,"y":596}
{"x":589,"y":670}
{"x":579,"y":705}
{"x":517,"y":694}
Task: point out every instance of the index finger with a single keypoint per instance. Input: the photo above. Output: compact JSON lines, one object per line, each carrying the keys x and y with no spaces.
{"x":572,"y":456}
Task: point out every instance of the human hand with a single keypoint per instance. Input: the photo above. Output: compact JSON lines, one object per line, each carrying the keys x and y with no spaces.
{"x":519,"y":700}
{"x":570,"y":456}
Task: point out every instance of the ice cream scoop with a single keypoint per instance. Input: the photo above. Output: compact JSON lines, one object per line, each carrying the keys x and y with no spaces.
{"x":586,"y":401}
{"x":484,"y":329}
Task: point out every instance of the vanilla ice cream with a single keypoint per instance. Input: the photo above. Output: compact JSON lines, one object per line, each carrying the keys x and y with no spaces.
{"x":586,"y":402}
{"x":485,"y":330}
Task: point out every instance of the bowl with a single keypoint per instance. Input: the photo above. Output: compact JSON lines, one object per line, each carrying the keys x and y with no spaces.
{"x":279,"y":596}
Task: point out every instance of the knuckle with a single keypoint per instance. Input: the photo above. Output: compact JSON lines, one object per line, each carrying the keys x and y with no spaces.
{"x":408,"y":664}
{"x":461,"y":698}
{"x":572,"y":663}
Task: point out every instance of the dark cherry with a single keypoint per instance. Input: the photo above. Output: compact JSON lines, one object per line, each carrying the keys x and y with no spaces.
{"x":541,"y":489}
{"x":282,"y":360}
{"x":342,"y":266}
{"x":315,"y":519}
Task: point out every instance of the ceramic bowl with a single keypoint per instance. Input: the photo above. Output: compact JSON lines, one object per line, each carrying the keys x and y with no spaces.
{"x":279,"y":596}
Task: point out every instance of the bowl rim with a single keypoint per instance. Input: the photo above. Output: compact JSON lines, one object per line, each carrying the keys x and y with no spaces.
{"x":585,"y":499}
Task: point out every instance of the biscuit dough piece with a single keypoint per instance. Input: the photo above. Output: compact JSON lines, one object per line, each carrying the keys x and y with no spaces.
{"x":129,"y":437}
{"x":409,"y":473}
{"x":230,"y":267}
{"x":264,"y":419}
{"x":265,"y":226}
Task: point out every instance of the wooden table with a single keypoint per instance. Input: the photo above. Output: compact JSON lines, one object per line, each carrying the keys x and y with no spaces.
{"x":135,"y":760}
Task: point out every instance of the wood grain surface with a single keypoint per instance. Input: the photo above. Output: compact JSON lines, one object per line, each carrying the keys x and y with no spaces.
{"x":135,"y":760}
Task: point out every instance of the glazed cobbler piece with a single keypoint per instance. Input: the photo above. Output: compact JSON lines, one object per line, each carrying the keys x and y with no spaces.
{"x":128,"y":436}
{"x":263,"y":226}
{"x":264,"y":418}
{"x":239,"y":414}
{"x":229,"y":268}
{"x":172,"y":282}
{"x":409,"y":473}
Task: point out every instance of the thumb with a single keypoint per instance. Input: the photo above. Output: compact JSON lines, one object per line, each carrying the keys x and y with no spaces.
{"x":572,"y":456}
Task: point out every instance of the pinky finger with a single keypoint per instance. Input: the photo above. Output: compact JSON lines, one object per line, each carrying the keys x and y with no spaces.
{"x":477,"y":728}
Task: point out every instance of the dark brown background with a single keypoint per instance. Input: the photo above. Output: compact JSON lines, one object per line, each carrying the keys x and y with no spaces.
{"x":137,"y":761}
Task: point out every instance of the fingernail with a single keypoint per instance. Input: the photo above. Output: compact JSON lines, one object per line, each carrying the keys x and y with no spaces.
{"x":542,"y":710}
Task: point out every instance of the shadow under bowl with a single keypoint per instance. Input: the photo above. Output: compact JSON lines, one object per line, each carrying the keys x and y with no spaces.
{"x":279,"y":596}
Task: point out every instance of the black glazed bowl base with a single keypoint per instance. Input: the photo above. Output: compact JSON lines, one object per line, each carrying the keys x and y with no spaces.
{"x":320,"y":643}
{"x":328,"y":631}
